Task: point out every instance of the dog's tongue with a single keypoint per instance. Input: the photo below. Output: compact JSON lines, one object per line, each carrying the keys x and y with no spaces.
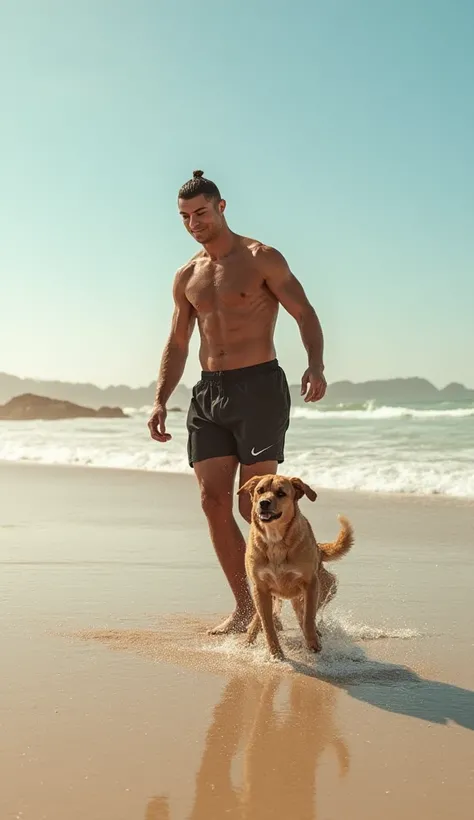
{"x":265,"y":516}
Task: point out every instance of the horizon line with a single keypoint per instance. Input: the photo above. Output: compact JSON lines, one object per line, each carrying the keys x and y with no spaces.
{"x":183,"y":384}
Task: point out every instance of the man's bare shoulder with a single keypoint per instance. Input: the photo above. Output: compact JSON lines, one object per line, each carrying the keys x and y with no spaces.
{"x":267,"y":257}
{"x":184,"y":273}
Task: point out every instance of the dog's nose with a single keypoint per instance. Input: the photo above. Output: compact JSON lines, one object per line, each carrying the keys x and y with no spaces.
{"x":264,"y":504}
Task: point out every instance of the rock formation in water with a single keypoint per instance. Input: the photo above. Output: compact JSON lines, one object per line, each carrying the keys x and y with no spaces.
{"x":29,"y":407}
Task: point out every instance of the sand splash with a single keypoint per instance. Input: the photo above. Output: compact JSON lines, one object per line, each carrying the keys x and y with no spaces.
{"x":183,"y":640}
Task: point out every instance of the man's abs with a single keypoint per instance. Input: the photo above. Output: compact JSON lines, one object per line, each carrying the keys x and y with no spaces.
{"x":227,"y":344}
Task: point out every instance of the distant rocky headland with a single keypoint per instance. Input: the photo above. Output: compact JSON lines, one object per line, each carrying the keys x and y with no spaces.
{"x":388,"y":392}
{"x":29,"y":406}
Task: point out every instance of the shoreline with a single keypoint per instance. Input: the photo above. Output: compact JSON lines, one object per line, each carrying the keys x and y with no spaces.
{"x":108,"y":583}
{"x":415,"y":497}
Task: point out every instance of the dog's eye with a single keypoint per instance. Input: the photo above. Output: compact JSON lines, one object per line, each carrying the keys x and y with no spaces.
{"x":260,"y":490}
{"x":281,"y":493}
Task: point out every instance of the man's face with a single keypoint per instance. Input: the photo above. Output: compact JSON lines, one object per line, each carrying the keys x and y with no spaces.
{"x":203,"y":218}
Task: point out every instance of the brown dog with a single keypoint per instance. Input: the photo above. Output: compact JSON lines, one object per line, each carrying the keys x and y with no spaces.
{"x":284,"y":560}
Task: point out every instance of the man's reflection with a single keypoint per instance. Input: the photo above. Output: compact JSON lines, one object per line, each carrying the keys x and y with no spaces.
{"x":281,"y":748}
{"x":158,"y":809}
{"x":281,"y":756}
{"x":216,"y":796}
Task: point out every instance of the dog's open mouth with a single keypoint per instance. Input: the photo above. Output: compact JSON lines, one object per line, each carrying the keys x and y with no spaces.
{"x":268,"y":515}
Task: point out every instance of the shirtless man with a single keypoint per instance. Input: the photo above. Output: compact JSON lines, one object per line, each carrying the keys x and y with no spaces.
{"x":240,"y":409}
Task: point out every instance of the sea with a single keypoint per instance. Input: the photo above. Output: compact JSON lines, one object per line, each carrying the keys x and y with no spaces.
{"x":419,"y":449}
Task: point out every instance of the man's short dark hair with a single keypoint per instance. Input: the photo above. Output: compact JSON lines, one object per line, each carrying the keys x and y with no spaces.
{"x":199,"y":185}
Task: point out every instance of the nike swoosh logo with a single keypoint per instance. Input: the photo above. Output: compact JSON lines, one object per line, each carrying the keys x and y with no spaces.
{"x":257,"y":453}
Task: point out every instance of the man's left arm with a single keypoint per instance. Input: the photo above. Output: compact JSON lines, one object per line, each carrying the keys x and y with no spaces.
{"x":290,"y":293}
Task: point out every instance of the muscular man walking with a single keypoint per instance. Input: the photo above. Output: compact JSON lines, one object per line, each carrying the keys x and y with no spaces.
{"x":240,"y":409}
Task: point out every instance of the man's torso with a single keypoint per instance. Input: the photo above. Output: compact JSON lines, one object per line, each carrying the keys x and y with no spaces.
{"x":235,"y":310}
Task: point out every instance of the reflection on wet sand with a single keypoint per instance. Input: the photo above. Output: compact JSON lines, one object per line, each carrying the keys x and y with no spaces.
{"x":158,"y":809}
{"x":278,"y":749}
{"x":282,"y":755}
{"x":215,"y":793}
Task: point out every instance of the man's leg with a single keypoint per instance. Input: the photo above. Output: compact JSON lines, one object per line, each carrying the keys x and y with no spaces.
{"x":216,"y":478}
{"x":248,"y":471}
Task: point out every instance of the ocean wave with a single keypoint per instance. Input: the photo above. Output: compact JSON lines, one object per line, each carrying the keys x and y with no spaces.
{"x":384,"y":412}
{"x":332,"y":472}
{"x":164,"y":460}
{"x":388,"y":475}
{"x":413,"y":458}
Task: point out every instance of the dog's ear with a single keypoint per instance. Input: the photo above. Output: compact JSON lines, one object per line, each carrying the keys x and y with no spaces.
{"x":249,"y":486}
{"x":302,"y":489}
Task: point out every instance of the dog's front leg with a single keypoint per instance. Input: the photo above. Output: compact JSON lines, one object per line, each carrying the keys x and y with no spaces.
{"x":256,"y":624}
{"x":264,"y":606}
{"x":253,"y":630}
{"x":311,"y":600}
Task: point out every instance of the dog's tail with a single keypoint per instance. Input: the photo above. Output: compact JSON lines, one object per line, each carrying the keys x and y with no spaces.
{"x":337,"y":549}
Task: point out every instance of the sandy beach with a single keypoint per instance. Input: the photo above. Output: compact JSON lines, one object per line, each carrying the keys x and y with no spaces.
{"x":116,"y":705}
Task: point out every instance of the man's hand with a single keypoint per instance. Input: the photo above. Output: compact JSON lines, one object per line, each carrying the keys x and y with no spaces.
{"x":157,"y":426}
{"x":314,"y":377}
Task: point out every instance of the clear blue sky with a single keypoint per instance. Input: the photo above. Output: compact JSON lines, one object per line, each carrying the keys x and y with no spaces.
{"x":341,"y":132}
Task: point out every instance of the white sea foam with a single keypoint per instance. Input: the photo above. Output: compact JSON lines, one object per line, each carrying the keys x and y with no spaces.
{"x":146,"y":410}
{"x":369,"y":474}
{"x":90,"y":456}
{"x":382,"y":413}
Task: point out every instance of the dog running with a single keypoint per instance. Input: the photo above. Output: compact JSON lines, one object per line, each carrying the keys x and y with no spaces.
{"x":283,"y":559}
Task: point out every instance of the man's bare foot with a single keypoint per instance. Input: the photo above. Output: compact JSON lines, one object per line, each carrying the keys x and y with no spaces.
{"x":235,"y":623}
{"x":313,"y":642}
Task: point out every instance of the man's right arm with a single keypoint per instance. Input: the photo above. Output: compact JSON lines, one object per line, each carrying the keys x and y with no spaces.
{"x":174,"y":356}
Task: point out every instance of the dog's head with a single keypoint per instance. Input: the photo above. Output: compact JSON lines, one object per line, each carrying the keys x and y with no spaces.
{"x":274,"y":497}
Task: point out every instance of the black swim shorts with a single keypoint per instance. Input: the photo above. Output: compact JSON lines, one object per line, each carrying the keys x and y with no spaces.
{"x":243,"y":412}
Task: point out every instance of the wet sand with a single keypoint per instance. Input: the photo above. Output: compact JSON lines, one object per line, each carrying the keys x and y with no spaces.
{"x":116,"y":705}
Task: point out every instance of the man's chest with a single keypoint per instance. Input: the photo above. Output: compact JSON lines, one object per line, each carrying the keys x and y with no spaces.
{"x":219,"y":285}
